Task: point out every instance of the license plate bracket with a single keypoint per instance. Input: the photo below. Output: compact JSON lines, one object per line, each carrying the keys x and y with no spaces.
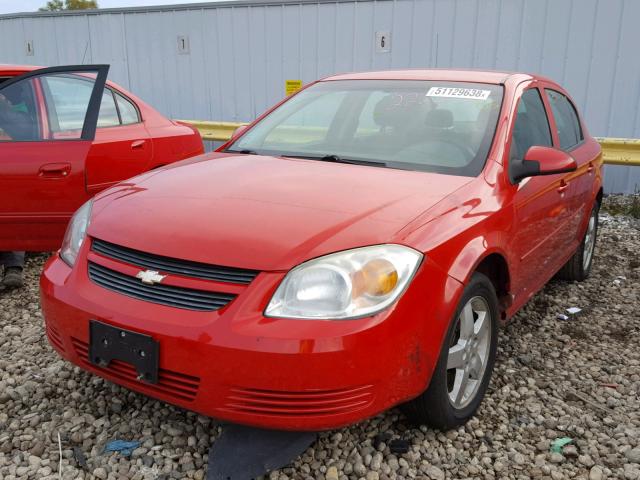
{"x":108,"y":343}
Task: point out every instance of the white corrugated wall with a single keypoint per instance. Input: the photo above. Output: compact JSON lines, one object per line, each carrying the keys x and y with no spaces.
{"x":241,"y":53}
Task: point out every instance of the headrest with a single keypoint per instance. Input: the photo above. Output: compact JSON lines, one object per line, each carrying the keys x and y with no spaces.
{"x":386,"y":113}
{"x":16,"y":93}
{"x":439,"y":118}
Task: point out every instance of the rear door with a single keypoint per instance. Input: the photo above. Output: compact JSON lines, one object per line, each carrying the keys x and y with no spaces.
{"x":122,"y":147}
{"x":48,"y":121}
{"x":571,"y":139}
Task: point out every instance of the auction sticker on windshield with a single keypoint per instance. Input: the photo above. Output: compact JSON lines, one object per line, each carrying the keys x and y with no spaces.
{"x":454,"y":92}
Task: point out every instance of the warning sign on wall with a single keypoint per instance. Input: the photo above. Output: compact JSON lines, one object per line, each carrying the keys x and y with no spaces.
{"x":292,"y":86}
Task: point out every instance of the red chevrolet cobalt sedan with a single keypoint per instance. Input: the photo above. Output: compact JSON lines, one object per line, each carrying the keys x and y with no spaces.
{"x":353,"y":249}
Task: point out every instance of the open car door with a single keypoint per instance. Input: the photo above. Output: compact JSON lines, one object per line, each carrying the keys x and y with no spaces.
{"x":48,"y":122}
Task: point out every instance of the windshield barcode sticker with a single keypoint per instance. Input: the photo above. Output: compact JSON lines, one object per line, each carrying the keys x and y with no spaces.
{"x":454,"y":92}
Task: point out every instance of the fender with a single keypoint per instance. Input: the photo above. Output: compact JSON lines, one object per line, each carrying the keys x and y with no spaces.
{"x":472,"y":259}
{"x":472,"y":255}
{"x":596,"y":196}
{"x":461,"y":235}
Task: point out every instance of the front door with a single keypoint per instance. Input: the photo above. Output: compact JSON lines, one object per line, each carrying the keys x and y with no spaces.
{"x":47,"y":124}
{"x":543,"y":205}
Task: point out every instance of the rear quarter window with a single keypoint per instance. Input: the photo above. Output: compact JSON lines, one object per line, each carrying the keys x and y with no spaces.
{"x":108,"y":116}
{"x":128,"y":111}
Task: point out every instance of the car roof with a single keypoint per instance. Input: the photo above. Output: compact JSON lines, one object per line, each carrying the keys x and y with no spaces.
{"x":15,"y":70}
{"x":467,"y":75}
{"x":459,"y":75}
{"x":8,"y":69}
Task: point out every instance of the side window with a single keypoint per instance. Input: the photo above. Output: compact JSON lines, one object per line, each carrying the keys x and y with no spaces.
{"x":108,"y":116}
{"x":531,"y":126}
{"x":128,"y":111}
{"x":566,"y":117}
{"x":19,"y":116}
{"x":67,"y":99}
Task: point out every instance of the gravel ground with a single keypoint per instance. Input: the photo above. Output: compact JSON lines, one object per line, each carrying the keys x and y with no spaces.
{"x":576,"y":378}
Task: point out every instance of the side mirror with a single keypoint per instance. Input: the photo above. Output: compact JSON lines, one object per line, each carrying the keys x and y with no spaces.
{"x":238,"y":131}
{"x":541,"y":160}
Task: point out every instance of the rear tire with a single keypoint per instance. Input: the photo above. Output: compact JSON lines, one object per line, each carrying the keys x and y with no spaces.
{"x":464,"y":368}
{"x":579,"y":265}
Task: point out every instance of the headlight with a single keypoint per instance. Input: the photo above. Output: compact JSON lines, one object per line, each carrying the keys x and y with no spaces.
{"x":348,"y":284}
{"x":76,"y":231}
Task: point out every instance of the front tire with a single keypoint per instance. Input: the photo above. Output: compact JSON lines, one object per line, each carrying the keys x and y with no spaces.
{"x":464,"y":368}
{"x":579,"y":265}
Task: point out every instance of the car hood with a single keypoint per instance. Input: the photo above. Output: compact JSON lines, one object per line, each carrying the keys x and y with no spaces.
{"x":261,"y":212}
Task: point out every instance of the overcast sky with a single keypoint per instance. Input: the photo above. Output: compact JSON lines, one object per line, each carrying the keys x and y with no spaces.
{"x":12,"y":6}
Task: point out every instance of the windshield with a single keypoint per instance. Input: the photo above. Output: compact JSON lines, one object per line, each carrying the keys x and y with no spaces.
{"x":443,"y":127}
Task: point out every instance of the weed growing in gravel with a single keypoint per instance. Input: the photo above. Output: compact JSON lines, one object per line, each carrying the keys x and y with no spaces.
{"x":634,"y":209}
{"x":626,"y":205}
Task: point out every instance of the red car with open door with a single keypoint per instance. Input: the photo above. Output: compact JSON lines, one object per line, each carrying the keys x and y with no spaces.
{"x":67,"y":133}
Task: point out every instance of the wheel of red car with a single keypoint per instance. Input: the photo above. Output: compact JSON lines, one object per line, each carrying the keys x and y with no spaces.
{"x":466,"y":361}
{"x":579,"y":265}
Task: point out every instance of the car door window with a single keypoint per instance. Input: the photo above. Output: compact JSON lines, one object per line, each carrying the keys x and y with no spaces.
{"x":19,"y":115}
{"x":55,"y":103}
{"x":566,"y":117}
{"x":108,"y":116}
{"x":531,"y":126}
{"x":128,"y":111}
{"x":67,"y":99}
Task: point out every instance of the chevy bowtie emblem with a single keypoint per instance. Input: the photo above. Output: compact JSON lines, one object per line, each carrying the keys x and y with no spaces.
{"x":150,"y":277}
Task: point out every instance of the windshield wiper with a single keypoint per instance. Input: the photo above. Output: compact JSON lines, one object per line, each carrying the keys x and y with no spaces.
{"x":245,"y":151}
{"x":338,"y":159}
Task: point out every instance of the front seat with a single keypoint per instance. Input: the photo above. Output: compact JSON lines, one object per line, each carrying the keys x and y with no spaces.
{"x":17,"y":119}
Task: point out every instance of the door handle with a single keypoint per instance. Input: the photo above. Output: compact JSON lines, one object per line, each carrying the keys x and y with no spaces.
{"x":55,"y":170}
{"x":563,"y":186}
{"x":137,"y":144}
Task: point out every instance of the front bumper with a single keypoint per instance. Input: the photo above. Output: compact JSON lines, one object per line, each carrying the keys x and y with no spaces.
{"x":236,"y":365}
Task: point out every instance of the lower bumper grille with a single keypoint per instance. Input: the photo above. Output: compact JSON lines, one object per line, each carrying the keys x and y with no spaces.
{"x":55,"y":338}
{"x":172,"y":384}
{"x":186,"y":298}
{"x":319,"y":402}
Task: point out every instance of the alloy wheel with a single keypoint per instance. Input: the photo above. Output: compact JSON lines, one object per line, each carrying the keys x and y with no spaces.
{"x":589,"y":241}
{"x":469,"y":352}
